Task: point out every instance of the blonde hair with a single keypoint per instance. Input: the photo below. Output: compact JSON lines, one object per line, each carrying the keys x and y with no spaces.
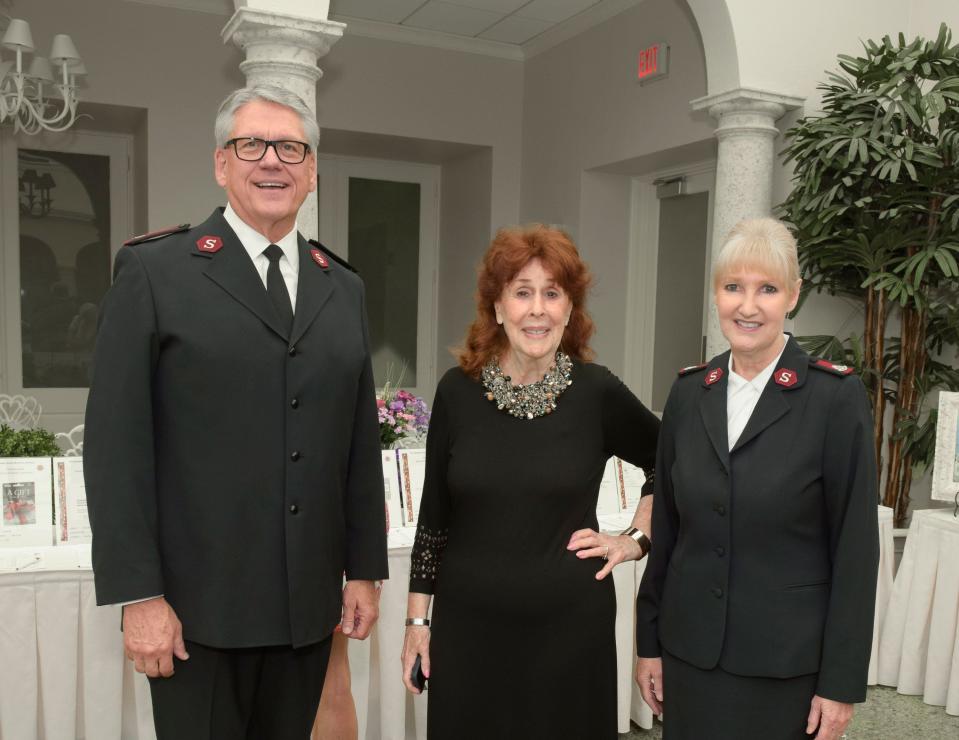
{"x":764,"y":244}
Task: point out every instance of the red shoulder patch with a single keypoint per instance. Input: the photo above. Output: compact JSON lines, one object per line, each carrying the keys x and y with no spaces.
{"x":713,"y":376}
{"x":691,"y":369}
{"x":327,"y":255}
{"x":831,"y":367}
{"x":158,"y":234}
{"x":785,"y":377}
{"x":209,"y":244}
{"x":319,"y":259}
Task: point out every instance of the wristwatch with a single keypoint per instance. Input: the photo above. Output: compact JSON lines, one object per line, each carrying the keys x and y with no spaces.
{"x":641,"y":539}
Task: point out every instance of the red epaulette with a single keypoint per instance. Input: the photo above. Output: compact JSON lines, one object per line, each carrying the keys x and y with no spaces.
{"x":831,"y":367}
{"x":158,"y":234}
{"x":331,"y":254}
{"x":691,"y":369}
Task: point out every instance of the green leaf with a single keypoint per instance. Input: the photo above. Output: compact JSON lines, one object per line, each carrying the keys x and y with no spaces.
{"x":947,"y":264}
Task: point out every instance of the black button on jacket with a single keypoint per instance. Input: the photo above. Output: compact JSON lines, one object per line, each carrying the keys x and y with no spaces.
{"x":795,"y":592}
{"x":190,"y":436}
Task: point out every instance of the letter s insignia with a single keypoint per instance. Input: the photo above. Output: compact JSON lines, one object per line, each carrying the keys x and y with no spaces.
{"x":209,"y":244}
{"x":785,"y":377}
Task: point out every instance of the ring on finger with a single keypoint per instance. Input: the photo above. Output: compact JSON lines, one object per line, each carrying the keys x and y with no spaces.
{"x":606,"y":553}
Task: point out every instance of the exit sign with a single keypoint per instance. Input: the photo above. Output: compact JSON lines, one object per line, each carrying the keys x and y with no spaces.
{"x":653,"y":62}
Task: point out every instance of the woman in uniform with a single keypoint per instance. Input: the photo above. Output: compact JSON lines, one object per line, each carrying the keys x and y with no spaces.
{"x":755,"y":614}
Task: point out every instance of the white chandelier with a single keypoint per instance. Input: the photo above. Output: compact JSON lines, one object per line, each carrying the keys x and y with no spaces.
{"x":34,"y":100}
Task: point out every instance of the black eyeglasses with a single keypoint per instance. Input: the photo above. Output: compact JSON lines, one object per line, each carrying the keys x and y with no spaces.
{"x":252,"y":149}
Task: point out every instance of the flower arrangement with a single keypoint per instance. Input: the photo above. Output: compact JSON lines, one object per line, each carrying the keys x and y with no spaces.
{"x":401,"y":414}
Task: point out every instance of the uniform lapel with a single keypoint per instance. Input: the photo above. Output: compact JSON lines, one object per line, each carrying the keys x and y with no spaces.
{"x":712,"y":406}
{"x":232,"y":269}
{"x":313,"y":289}
{"x":789,"y":374}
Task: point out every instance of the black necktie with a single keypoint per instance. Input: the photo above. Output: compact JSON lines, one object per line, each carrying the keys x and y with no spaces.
{"x":276,"y":288}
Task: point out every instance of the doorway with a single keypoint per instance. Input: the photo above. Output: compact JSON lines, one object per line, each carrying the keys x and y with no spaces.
{"x":382,"y":217}
{"x":669,"y":288}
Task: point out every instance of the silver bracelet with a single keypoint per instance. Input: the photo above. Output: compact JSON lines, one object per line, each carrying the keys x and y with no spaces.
{"x":641,"y":539}
{"x":417,"y":622}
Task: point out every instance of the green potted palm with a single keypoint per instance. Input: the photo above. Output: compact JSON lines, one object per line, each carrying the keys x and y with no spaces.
{"x":875,"y":207}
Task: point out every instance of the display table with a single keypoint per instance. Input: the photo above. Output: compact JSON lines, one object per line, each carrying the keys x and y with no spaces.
{"x":919,"y":644}
{"x":64,"y":675}
{"x":63,"y":672}
{"x":884,"y":584}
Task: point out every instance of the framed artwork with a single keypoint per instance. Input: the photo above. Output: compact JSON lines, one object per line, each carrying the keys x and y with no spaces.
{"x":945,"y":473}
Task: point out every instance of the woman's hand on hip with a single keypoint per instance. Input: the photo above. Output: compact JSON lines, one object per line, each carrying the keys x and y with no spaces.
{"x":614,"y":549}
{"x":649,"y":677}
{"x":831,"y":717}
{"x":416,"y":642}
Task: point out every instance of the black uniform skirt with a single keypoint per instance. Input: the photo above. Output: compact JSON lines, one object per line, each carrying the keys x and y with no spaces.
{"x":718,"y":705}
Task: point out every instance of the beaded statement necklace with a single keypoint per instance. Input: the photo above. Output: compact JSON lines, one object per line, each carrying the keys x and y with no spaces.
{"x":527,"y":401}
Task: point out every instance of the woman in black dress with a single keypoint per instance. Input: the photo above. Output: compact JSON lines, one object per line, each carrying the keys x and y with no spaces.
{"x":522,"y":643}
{"x":755,"y":615}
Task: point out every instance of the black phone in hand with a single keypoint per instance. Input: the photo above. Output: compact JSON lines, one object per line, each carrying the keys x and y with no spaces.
{"x":417,"y":677}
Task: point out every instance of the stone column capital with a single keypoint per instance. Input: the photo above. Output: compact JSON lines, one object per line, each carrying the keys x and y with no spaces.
{"x":747,"y":111}
{"x":280,"y":43}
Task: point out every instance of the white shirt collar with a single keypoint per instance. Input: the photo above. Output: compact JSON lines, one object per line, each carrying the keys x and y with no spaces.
{"x":737,"y":381}
{"x":254,"y":242}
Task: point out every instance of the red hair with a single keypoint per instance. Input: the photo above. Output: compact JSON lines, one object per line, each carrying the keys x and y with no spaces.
{"x":510,"y":251}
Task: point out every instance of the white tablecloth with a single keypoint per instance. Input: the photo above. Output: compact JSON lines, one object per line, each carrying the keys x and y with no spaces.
{"x":887,"y":557}
{"x":919,"y":644}
{"x":63,"y":675}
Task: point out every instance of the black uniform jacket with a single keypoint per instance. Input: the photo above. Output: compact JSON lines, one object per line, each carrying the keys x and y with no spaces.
{"x":230,"y":467}
{"x":764,"y":558}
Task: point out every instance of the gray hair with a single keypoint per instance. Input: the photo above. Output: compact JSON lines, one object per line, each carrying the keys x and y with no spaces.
{"x":270,"y":94}
{"x":762,"y":243}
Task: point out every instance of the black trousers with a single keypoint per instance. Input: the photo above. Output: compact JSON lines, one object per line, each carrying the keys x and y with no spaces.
{"x":268,"y":693}
{"x":715,"y":705}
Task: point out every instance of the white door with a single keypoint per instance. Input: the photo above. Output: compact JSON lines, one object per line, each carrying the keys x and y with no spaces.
{"x":669,"y":274}
{"x":382,"y":216}
{"x":66,"y":207}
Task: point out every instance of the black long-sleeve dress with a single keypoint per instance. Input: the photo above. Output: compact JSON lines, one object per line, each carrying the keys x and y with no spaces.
{"x":522,"y":642}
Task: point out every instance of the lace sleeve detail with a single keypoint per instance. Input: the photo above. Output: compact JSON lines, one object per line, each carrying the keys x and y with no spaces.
{"x":427,"y":555}
{"x":650,"y":482}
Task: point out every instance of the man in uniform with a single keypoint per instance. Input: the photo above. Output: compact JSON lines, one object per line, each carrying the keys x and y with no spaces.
{"x":232,"y":450}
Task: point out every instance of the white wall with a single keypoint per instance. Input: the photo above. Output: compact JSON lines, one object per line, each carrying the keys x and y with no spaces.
{"x":464,"y":233}
{"x":391,"y":88}
{"x":585,"y":111}
{"x":169,"y":62}
{"x":173,"y":63}
{"x":926,"y":15}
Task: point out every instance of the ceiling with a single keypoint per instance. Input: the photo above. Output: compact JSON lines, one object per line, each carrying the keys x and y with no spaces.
{"x":508,"y":21}
{"x":512,"y":28}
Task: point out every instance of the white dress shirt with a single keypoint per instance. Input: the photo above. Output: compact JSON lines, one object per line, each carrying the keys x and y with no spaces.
{"x":742,"y":396}
{"x":254,"y":243}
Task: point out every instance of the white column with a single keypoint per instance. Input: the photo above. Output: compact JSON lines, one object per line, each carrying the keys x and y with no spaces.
{"x":744,"y":168}
{"x":283,"y":49}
